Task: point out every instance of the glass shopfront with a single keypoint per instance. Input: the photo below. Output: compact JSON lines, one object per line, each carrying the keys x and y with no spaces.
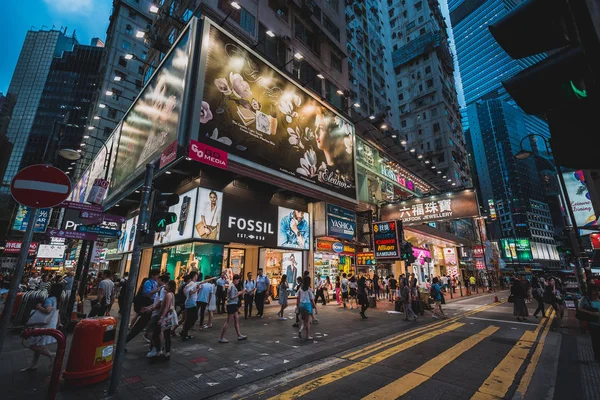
{"x":277,"y":263}
{"x":333,"y":258}
{"x":181,"y":259}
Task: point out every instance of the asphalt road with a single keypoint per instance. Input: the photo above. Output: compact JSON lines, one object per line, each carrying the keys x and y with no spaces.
{"x":479,"y":352}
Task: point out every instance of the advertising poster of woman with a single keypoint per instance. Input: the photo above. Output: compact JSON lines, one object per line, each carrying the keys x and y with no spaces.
{"x":208,"y":214}
{"x":250,"y":110}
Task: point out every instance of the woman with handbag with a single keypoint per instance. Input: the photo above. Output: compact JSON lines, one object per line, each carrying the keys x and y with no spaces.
{"x":168,"y":320}
{"x":589,"y":311}
{"x":45,"y":316}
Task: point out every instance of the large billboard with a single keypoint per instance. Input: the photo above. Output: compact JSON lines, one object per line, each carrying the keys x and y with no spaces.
{"x":442,"y":207}
{"x":516,"y":249}
{"x":184,"y":226}
{"x":582,"y":207}
{"x":152,"y":123}
{"x":252,"y":111}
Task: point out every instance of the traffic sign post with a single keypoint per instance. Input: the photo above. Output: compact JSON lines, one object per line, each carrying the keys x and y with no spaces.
{"x":40,"y":186}
{"x":16,"y":279}
{"x":82,"y":206}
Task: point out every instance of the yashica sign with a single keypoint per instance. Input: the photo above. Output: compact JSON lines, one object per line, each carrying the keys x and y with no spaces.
{"x":447,"y":206}
{"x":208,"y":155}
{"x":386,"y":240}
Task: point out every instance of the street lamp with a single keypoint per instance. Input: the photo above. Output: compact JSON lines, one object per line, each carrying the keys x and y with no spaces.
{"x":233,"y":5}
{"x":524,"y":154}
{"x":130,"y":56}
{"x":268,"y":33}
{"x":297,"y":56}
{"x":75,"y":155}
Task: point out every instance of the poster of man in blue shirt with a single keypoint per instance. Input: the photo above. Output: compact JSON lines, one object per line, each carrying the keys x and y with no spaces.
{"x":294,"y":229}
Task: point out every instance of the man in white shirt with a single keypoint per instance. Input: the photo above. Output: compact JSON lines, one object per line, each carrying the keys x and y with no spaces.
{"x":222,"y":284}
{"x":320,"y":288}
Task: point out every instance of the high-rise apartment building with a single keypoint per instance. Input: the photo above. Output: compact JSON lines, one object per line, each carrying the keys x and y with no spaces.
{"x":123,"y":69}
{"x":426,"y":104}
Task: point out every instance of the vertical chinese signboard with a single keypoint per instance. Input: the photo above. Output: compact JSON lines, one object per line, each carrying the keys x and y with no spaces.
{"x":386,"y":240}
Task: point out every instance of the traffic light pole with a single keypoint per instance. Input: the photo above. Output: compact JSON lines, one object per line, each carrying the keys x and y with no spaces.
{"x":17,"y":276}
{"x":134,"y":271}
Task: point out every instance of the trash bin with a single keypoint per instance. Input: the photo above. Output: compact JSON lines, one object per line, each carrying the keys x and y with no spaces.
{"x":91,"y":353}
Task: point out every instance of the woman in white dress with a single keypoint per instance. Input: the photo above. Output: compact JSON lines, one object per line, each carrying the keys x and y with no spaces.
{"x":283,"y":296}
{"x":212,"y":303}
{"x":38,"y":344}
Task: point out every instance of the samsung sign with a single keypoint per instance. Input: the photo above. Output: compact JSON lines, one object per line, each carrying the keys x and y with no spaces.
{"x":341,"y":223}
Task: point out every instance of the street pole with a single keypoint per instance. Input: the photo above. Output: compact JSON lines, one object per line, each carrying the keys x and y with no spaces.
{"x":76,"y":280}
{"x":134,"y":270}
{"x":18,"y":275}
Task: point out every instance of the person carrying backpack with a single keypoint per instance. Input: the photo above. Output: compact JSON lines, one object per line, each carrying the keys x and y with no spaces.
{"x":438,"y":298}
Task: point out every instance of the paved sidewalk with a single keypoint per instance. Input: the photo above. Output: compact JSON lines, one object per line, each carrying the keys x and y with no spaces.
{"x":202,"y":367}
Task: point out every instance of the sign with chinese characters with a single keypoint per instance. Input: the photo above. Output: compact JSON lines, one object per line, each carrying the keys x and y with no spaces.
{"x":386,"y":239}
{"x":478,"y":251}
{"x":450,"y":256}
{"x":365,"y":259}
{"x":22,"y":219}
{"x":51,"y":251}
{"x":433,"y":208}
{"x":14,"y":247}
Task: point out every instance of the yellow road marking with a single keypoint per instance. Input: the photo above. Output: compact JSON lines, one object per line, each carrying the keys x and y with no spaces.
{"x":377,"y":346}
{"x":316,"y":383}
{"x":410,"y":381}
{"x":535,"y":358}
{"x":502,"y":377}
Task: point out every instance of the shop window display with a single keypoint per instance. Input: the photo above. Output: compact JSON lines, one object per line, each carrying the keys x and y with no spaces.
{"x":233,"y":262}
{"x":181,"y":259}
{"x":277,"y":263}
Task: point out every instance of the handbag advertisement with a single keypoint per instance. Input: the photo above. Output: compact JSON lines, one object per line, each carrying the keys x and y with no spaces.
{"x":252,"y":111}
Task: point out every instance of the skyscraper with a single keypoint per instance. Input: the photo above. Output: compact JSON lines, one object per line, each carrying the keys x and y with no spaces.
{"x":54,"y":83}
{"x":482,"y":62}
{"x":27,"y":87}
{"x":495,"y":132}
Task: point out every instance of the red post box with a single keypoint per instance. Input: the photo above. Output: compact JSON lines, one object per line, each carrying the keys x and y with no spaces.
{"x":91,"y":353}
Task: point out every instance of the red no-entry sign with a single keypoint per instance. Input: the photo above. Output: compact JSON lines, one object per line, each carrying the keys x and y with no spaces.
{"x":40,"y":186}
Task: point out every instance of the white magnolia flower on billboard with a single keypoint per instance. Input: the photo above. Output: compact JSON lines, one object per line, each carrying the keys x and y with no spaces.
{"x":348,"y":144}
{"x":205,"y":113}
{"x":295,"y":137}
{"x":223,"y":86}
{"x":224,"y":140}
{"x":308,"y":164}
{"x":239,"y":86}
{"x":287,"y":105}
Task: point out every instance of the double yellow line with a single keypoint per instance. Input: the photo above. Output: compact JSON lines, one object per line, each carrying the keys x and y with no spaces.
{"x":375,"y":354}
{"x":365,"y":351}
{"x":502,"y":377}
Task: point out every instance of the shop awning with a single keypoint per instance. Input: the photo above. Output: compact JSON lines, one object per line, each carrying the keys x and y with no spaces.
{"x":112,"y":257}
{"x":445,"y":236}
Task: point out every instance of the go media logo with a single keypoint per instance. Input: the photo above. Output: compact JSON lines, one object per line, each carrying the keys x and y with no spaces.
{"x":207,"y":154}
